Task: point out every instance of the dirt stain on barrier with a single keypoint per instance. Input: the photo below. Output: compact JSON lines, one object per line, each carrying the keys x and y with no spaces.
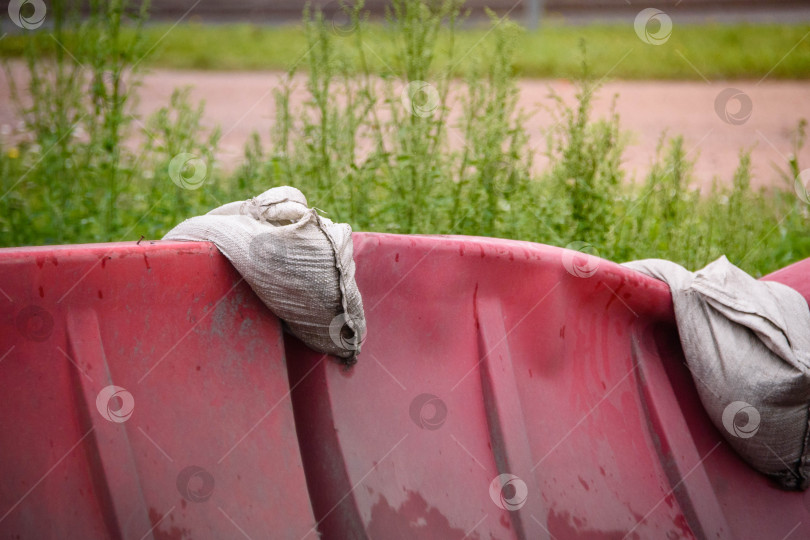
{"x":413,"y":519}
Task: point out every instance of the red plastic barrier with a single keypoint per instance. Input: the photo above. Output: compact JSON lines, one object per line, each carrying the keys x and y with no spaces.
{"x":484,"y":358}
{"x":210,"y":447}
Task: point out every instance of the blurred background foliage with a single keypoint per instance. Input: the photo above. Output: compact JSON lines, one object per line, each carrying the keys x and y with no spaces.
{"x":370,"y":145}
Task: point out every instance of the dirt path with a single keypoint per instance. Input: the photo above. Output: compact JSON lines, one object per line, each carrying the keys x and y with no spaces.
{"x":242,"y":103}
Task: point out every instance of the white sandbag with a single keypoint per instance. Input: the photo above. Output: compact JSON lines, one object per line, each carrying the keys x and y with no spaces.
{"x":747,"y":344}
{"x":299,"y":263}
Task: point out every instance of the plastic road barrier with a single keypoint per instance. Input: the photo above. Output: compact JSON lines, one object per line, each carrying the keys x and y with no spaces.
{"x":505,"y":390}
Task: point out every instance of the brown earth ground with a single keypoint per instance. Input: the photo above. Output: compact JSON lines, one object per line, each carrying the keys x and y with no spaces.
{"x":242,"y":102}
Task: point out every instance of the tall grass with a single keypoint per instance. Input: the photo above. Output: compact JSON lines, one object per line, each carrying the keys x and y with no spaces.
{"x":433,"y":142}
{"x":721,"y":51}
{"x":71,"y":176}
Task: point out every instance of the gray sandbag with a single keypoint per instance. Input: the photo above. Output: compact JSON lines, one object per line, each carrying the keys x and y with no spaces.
{"x":299,"y":263}
{"x":747,"y":344}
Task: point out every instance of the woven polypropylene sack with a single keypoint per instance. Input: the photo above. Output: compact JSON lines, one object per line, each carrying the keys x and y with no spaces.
{"x":747,"y":344}
{"x":299,"y":263}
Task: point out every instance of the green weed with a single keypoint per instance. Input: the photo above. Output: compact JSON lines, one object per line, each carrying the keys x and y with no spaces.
{"x":374,"y":144}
